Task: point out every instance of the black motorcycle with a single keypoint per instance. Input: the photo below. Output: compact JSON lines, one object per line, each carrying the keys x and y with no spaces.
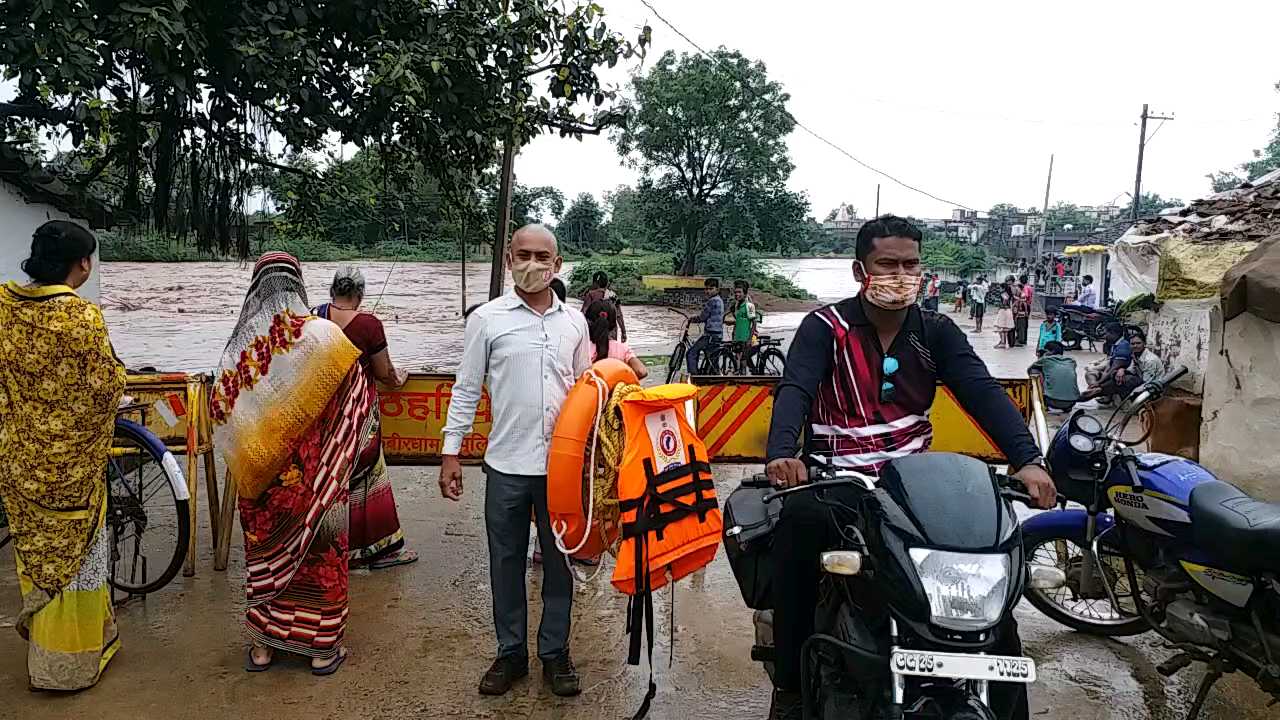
{"x":1081,"y":322}
{"x":930,"y":564}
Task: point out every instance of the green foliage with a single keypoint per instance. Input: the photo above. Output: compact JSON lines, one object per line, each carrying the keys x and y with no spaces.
{"x":1152,"y":205}
{"x":628,"y":225}
{"x":188,"y":92}
{"x":1003,"y":210}
{"x":626,"y":274}
{"x":942,"y":254}
{"x":708,"y":138}
{"x":1065,"y":216}
{"x":581,"y":229}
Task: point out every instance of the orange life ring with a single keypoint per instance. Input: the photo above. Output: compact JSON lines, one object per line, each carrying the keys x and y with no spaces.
{"x":567,"y":457}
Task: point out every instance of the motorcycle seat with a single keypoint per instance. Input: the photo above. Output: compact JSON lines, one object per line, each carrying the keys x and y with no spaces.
{"x":1239,"y":529}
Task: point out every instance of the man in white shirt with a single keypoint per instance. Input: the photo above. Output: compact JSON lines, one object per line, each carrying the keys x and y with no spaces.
{"x":532,"y":347}
{"x":1088,"y":294}
{"x":978,"y":296}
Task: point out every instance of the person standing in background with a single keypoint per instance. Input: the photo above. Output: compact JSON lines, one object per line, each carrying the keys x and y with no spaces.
{"x":712,"y":319}
{"x":530,"y":347}
{"x":1050,"y":331}
{"x":376,"y":539}
{"x":978,"y":301}
{"x":600,"y":291}
{"x":932,"y":294}
{"x":1088,"y":295}
{"x":1022,"y":310}
{"x":1004,"y":316}
{"x":602,"y":321}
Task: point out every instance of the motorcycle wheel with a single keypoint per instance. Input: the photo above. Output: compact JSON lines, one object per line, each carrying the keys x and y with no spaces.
{"x":1064,"y":604}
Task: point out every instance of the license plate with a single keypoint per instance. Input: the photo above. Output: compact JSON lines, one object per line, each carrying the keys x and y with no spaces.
{"x":997,"y":668}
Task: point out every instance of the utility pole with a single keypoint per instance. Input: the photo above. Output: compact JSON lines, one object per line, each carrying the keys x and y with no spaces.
{"x":1142,"y":146}
{"x":877,"y":202}
{"x":1044,"y":217}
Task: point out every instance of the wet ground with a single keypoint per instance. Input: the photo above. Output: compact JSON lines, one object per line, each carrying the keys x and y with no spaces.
{"x":421,"y":636}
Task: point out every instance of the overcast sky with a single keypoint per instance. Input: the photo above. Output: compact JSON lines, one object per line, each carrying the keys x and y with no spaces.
{"x":967,"y":100}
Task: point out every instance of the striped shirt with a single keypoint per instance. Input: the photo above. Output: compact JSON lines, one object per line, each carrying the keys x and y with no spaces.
{"x":830,"y":393}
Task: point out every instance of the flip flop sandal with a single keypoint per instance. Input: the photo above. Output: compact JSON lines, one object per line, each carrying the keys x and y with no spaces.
{"x":253,"y":667}
{"x":333,"y":665}
{"x":404,"y":557}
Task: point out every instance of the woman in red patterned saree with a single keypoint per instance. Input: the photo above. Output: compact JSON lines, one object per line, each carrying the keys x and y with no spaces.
{"x":291,"y":405}
{"x":376,"y":538}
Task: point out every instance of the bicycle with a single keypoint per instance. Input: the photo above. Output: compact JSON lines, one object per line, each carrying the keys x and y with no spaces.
{"x":708,"y":363}
{"x":741,"y":358}
{"x":148,"y":508}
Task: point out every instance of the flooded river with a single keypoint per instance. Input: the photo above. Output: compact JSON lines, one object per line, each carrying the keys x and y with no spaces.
{"x":178,"y":316}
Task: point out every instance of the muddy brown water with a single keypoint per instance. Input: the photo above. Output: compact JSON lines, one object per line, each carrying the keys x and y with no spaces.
{"x":421,"y":635}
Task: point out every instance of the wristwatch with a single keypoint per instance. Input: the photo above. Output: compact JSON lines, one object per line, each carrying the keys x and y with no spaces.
{"x":1037,"y":460}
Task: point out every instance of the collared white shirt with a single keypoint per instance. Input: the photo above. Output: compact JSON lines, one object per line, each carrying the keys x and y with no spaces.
{"x":531,"y":362}
{"x":1088,"y":296}
{"x":1150,"y":366}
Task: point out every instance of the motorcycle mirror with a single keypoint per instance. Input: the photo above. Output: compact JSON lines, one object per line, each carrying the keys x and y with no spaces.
{"x":844,"y":562}
{"x":1045,"y":577}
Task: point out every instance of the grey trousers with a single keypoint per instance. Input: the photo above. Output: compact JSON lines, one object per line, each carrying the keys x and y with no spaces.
{"x":508,"y":501}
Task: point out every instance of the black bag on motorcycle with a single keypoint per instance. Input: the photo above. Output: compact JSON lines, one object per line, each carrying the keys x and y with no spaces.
{"x":748,"y":542}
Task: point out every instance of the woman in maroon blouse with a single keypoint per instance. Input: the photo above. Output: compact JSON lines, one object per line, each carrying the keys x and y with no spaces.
{"x":376,"y":537}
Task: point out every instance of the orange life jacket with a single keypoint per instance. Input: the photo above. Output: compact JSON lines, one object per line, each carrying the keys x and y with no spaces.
{"x":671,"y":522}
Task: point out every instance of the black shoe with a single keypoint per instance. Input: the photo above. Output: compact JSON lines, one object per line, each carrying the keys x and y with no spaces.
{"x":786,"y":705}
{"x":502,"y":674}
{"x":561,"y":675}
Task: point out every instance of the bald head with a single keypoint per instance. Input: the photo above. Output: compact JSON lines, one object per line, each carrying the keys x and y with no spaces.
{"x":534,"y":235}
{"x":534,"y":243}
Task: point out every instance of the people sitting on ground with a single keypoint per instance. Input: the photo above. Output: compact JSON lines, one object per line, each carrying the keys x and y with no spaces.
{"x":1050,"y":331}
{"x":1061,"y":390}
{"x":602,"y":323}
{"x":1117,"y":380}
{"x":375,"y":539}
{"x":712,"y":319}
{"x":291,"y":387}
{"x":61,"y":385}
{"x":600,"y":291}
{"x":1148,"y":364}
{"x":1112,"y":334}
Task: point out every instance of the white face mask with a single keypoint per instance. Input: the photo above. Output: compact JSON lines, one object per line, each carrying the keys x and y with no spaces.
{"x":532,"y":276}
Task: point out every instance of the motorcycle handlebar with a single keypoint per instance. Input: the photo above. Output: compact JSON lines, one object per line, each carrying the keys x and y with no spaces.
{"x":821,"y":478}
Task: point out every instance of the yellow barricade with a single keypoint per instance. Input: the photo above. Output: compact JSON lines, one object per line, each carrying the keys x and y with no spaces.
{"x":413,"y":419}
{"x":734,"y":415}
{"x":175,"y":408}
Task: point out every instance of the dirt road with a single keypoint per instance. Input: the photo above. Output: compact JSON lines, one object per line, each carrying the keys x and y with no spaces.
{"x":421,"y":636}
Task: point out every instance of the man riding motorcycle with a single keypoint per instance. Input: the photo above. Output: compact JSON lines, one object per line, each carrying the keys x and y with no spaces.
{"x":859,"y":382}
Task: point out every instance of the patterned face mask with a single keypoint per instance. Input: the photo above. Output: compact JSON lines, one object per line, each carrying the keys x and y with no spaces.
{"x":531,"y":276}
{"x":891,"y":292}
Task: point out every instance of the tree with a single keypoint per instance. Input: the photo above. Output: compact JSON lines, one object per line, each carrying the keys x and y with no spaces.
{"x":1264,"y":161}
{"x":1067,"y":216}
{"x":190,"y":91}
{"x":940,"y":253}
{"x":1152,"y":205}
{"x":581,"y":229}
{"x":707,"y":135}
{"x":1003,"y":210}
{"x":629,"y":223}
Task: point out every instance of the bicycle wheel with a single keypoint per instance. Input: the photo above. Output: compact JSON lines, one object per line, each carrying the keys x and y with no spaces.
{"x":147,"y":511}
{"x":675,"y":362}
{"x":721,"y":361}
{"x":771,"y":362}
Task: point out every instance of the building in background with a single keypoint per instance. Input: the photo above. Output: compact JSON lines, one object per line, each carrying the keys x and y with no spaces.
{"x":31,"y":196}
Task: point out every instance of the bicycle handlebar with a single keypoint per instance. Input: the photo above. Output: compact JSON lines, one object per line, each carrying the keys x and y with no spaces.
{"x":1009,"y":487}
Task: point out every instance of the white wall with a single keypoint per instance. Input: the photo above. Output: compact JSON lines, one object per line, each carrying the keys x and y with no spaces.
{"x":1180,"y":332}
{"x":1241,"y":411}
{"x":18,"y":220}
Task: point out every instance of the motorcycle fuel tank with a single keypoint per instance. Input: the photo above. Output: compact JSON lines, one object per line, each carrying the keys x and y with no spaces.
{"x":1161,"y":507}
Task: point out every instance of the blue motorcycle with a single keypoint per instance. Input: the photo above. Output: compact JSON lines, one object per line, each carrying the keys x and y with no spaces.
{"x":1160,"y":545}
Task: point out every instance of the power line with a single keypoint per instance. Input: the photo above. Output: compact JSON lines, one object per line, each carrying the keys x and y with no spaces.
{"x":744,"y":85}
{"x":1153,"y":132}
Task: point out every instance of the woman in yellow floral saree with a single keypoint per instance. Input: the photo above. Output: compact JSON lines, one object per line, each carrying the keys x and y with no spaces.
{"x":53,"y":454}
{"x":291,"y":406}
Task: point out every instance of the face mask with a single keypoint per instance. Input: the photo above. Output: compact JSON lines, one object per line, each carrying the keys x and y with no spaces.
{"x":890,"y":292}
{"x":531,"y":276}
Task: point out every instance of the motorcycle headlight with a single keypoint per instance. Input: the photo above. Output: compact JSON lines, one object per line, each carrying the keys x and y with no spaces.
{"x":966,"y":591}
